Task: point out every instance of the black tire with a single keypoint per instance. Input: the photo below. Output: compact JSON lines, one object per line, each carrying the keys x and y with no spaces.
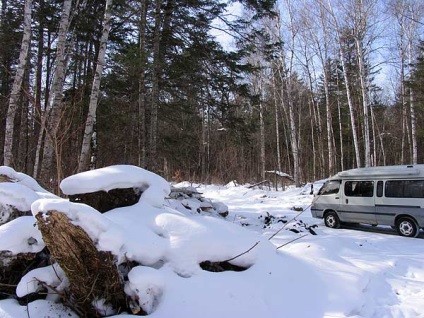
{"x":331,"y":220}
{"x":406,"y":226}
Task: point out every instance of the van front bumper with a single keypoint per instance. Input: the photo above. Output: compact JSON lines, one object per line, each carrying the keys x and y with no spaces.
{"x":316,"y":213}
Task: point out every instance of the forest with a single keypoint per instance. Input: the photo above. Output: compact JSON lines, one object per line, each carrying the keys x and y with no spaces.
{"x":210,"y":90}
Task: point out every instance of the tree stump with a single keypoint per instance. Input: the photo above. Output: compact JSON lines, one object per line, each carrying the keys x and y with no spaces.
{"x":92,"y":274}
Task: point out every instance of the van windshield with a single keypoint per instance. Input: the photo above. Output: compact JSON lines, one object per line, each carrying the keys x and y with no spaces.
{"x":330,"y":187}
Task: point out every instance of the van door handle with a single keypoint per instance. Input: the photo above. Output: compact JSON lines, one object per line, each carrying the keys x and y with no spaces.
{"x":347,"y":200}
{"x":336,"y":198}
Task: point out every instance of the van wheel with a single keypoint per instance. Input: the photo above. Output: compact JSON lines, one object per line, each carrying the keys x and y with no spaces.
{"x":406,"y":226}
{"x":332,"y":220}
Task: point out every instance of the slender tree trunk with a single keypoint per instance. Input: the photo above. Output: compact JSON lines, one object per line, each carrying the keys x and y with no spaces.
{"x":412,"y":112}
{"x":347,"y":85}
{"x":365,"y":104}
{"x":142,"y":87}
{"x":403,"y":101}
{"x":52,"y":112}
{"x":84,"y":159}
{"x":17,"y":86}
{"x":289,"y":83}
{"x":155,"y":87}
{"x":277,"y":127}
{"x":351,"y":109}
{"x":339,"y":113}
{"x":39,"y":77}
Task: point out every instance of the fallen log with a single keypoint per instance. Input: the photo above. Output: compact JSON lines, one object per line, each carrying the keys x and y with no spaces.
{"x":104,"y":201}
{"x":258,"y":184}
{"x":96,"y":288}
{"x":4,"y":178}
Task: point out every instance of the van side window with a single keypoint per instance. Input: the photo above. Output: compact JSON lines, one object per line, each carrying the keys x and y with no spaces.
{"x":359,"y":188}
{"x":379,"y":189}
{"x":405,"y":189}
{"x":330,"y":187}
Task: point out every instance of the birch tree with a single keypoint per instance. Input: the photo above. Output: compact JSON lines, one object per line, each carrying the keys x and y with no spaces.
{"x":17,"y":86}
{"x":346,"y":78}
{"x":84,"y":158}
{"x":361,"y":12}
{"x":407,"y":14}
{"x":52,"y":112}
{"x":294,"y":142}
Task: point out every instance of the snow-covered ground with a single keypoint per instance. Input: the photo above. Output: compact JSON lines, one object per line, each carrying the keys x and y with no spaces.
{"x":335,"y":273}
{"x":357,"y":272}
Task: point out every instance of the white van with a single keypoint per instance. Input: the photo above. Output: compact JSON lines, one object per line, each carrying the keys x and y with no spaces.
{"x":389,"y":195}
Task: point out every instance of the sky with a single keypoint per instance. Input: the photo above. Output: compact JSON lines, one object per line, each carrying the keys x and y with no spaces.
{"x":290,"y":271}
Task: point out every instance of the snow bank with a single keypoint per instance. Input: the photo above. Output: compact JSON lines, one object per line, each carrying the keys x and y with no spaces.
{"x":21,"y":236}
{"x":154,"y":187}
{"x":26,"y":181}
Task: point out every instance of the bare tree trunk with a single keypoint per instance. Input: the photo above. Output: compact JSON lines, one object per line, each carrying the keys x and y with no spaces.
{"x":84,"y":159}
{"x":412,"y":112}
{"x":403,"y":99}
{"x":39,"y":79}
{"x":17,"y":86}
{"x":322,"y":52}
{"x":407,"y":14}
{"x":262,"y":135}
{"x":277,"y":127}
{"x":293,"y":133}
{"x":365,"y":106}
{"x":340,"y":126}
{"x":360,"y":23}
{"x":155,"y":88}
{"x":347,"y":85}
{"x":52,"y":113}
{"x":141,"y":87}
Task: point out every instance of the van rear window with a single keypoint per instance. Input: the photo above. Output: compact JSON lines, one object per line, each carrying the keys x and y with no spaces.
{"x":404,"y":189}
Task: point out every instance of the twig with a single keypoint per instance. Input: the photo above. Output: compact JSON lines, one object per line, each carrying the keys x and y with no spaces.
{"x":294,"y":218}
{"x":63,"y":296}
{"x":7,"y":285}
{"x":297,"y":238}
{"x":243,"y":252}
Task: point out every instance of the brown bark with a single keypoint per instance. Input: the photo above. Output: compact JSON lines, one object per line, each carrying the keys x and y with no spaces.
{"x":92,"y":274}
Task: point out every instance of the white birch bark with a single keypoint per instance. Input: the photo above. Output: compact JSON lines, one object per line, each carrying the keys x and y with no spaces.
{"x":360,"y":22}
{"x":347,"y":86}
{"x":339,"y":114}
{"x":84,"y":159}
{"x":322,"y":46}
{"x":55,"y":98}
{"x":17,"y":85}
{"x":277,"y":124}
{"x":293,"y":127}
{"x":412,"y":111}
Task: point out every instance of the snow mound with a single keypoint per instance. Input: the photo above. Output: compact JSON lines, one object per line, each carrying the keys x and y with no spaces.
{"x":17,"y":195}
{"x":21,"y":236}
{"x":26,"y":181}
{"x":154,"y":187}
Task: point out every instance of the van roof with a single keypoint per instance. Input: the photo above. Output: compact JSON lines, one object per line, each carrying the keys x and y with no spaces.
{"x":383,"y":171}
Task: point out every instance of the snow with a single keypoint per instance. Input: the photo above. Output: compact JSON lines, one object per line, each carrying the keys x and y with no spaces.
{"x":21,"y":236}
{"x":154,"y":187}
{"x":358,"y":273}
